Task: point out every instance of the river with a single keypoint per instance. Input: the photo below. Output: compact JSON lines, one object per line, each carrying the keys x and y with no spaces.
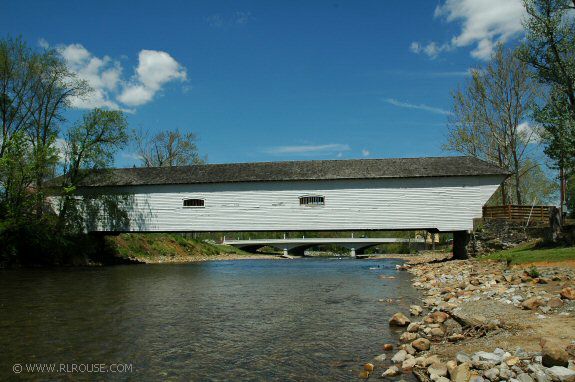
{"x":300,"y":320}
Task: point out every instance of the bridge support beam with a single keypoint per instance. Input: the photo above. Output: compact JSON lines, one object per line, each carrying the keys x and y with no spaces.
{"x":352,"y":252}
{"x":460,"y":241}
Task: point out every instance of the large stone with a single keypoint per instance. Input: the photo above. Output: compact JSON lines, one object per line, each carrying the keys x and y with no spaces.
{"x":562,"y":373}
{"x":554,"y":354}
{"x":462,"y":373}
{"x":568,"y":293}
{"x":486,"y":356}
{"x":421,"y":344}
{"x":524,"y":377}
{"x":399,"y":319}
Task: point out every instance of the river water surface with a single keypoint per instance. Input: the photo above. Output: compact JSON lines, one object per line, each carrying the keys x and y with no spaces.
{"x":300,"y":320}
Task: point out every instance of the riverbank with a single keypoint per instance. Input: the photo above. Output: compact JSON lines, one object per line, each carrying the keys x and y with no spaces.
{"x":486,"y":320}
{"x":172,"y":248}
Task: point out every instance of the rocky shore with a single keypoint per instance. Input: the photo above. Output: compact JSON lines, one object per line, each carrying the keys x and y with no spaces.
{"x":482,"y":321}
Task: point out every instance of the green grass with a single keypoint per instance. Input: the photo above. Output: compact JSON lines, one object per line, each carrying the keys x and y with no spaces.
{"x":530,"y":252}
{"x":155,"y":245}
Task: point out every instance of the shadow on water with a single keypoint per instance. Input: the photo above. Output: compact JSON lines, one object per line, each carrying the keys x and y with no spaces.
{"x":305,"y":319}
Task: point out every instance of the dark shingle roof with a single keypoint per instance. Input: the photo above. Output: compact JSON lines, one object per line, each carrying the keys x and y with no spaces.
{"x":294,"y":170}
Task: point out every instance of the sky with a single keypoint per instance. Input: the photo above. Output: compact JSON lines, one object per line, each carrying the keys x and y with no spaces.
{"x":269,"y":81}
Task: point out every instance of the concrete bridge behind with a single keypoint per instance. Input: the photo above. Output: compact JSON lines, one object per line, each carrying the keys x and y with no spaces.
{"x":355,"y":245}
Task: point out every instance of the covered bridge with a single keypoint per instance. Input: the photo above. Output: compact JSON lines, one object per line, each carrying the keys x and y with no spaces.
{"x":440,"y":193}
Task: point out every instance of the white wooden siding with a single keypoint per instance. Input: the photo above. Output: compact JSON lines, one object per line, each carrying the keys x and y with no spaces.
{"x":448,"y":204}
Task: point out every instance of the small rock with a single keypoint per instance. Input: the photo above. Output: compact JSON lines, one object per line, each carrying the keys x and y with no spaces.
{"x":555,"y":303}
{"x":368,"y":367}
{"x":388,"y":347}
{"x":512,"y":361}
{"x":408,"y":364}
{"x":455,"y":337}
{"x":485,"y":356}
{"x":399,"y":357}
{"x":409,"y":349}
{"x":568,"y":293}
{"x":554,"y":354}
{"x":427,"y":361}
{"x":413,"y":327}
{"x":462,"y":373}
{"x":439,"y":317}
{"x":524,"y":377}
{"x":562,"y":373}
{"x":437,"y":332}
{"x":532,"y":303}
{"x":421,"y":344}
{"x":491,"y":374}
{"x":437,"y":368}
{"x":380,"y":358}
{"x":415,"y":310}
{"x":391,"y":372}
{"x":408,"y":337}
{"x":451,"y":365}
{"x":364,"y":374}
{"x":399,"y":319}
{"x":461,"y":357}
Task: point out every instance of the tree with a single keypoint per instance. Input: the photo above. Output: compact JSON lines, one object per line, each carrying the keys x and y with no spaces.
{"x":550,"y":49}
{"x":168,"y":148}
{"x":490,"y":118}
{"x":35,"y":88}
{"x":90,"y":144}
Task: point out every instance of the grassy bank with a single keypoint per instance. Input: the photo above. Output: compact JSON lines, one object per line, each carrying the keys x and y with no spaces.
{"x":167,"y":248}
{"x":532,"y":252}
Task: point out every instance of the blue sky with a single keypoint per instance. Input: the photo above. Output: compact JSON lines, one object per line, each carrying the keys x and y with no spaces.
{"x":282,"y":80}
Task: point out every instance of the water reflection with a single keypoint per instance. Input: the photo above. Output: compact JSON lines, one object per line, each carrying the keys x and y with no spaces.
{"x":309,"y":319}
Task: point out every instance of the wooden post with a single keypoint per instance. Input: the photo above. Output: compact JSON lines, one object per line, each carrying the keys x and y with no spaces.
{"x":460,"y":241}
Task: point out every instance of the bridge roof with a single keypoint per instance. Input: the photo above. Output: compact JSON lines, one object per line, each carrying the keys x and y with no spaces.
{"x":293,"y":171}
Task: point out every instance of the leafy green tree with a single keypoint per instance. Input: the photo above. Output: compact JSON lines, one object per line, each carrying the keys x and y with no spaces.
{"x":489,"y":115}
{"x":550,"y":49}
{"x":89,"y":145}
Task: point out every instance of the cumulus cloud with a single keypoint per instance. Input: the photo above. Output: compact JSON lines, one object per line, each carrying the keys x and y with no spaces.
{"x":155,"y":69}
{"x":105,"y":76}
{"x":483,"y":24}
{"x":365,"y":152}
{"x":407,"y":105}
{"x":309,"y":149}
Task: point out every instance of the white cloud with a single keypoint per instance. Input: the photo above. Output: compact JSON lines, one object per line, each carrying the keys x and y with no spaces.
{"x":308,"y":149}
{"x":155,"y":69}
{"x":365,"y":152}
{"x":407,"y":105}
{"x":105,"y":76}
{"x":483,"y":24}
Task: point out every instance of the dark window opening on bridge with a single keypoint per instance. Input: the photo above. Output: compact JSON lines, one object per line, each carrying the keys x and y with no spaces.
{"x":311,"y":201}
{"x":193,"y":202}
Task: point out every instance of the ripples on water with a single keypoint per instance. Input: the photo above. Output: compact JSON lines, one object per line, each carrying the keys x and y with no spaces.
{"x":300,"y":320}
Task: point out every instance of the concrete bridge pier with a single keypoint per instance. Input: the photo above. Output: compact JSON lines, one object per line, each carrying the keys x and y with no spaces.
{"x":352,"y":252}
